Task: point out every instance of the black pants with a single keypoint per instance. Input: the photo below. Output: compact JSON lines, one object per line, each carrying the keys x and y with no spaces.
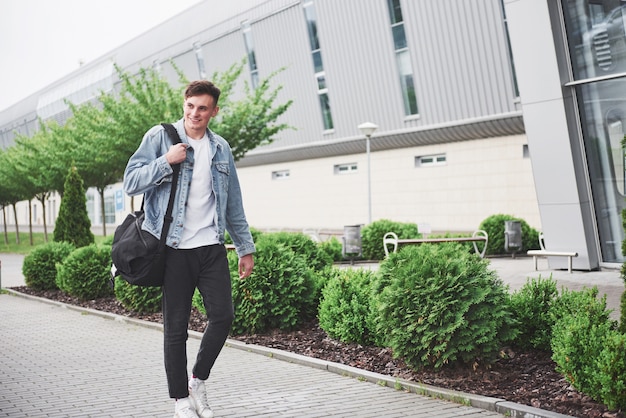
{"x":207,"y":269}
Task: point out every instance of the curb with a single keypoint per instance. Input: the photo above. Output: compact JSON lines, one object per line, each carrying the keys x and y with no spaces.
{"x":502,"y":406}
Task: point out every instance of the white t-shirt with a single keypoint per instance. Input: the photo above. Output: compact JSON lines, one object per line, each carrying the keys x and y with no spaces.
{"x":200,"y":225}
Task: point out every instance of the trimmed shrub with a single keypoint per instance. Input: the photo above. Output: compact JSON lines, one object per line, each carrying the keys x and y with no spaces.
{"x":372,"y":236}
{"x":581,"y":325}
{"x":437,"y":304}
{"x":494,"y":226}
{"x":531,"y":307}
{"x":611,"y":371}
{"x":303,"y":245}
{"x":279,"y":294}
{"x":344,"y":311}
{"x":332,"y":248}
{"x":140,"y":299}
{"x":85,"y":272}
{"x":39,"y":267}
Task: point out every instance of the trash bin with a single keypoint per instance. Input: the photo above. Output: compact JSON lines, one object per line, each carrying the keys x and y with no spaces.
{"x":352,"y":241}
{"x":512,"y":236}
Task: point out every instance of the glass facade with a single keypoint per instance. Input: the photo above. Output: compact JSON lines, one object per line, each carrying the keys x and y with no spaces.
{"x":596,"y":33}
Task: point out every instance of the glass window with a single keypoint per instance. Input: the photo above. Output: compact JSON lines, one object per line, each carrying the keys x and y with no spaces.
{"x":603,"y":115}
{"x":200,"y":59}
{"x":280,"y":175}
{"x":346,"y":168}
{"x":403,"y":58}
{"x":430,"y":160}
{"x":395,"y":11}
{"x":399,"y":38}
{"x":249,"y":44}
{"x":326,"y":114}
{"x":596,"y":36}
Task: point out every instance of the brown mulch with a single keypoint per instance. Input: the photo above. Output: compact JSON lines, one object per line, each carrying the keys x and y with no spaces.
{"x":525,"y":376}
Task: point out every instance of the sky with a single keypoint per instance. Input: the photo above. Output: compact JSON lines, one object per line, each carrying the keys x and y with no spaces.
{"x":44,"y":40}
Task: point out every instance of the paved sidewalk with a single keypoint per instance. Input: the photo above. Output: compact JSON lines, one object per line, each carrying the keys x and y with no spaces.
{"x":62,"y":361}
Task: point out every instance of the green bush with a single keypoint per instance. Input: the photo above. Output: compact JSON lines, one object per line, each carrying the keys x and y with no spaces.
{"x":611,"y":371}
{"x":494,"y":226}
{"x":280,"y":293}
{"x":332,"y":248}
{"x":581,"y":327}
{"x":140,"y":299}
{"x":253,"y":231}
{"x":39,"y":267}
{"x":437,"y":304}
{"x":344,"y":311}
{"x":303,"y":245}
{"x":531,"y":307}
{"x":372,"y":236}
{"x":85,"y":272}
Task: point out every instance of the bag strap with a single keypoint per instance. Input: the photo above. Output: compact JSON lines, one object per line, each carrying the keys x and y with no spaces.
{"x":167,"y":219}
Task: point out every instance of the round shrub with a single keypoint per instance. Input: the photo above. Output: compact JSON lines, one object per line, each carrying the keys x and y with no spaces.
{"x":279,"y":294}
{"x":437,"y":304}
{"x":39,"y":267}
{"x":332,"y":247}
{"x":140,"y":299}
{"x":372,"y":236}
{"x":303,"y":245}
{"x":579,"y":336}
{"x":344,"y":311}
{"x":531,"y":307}
{"x":494,"y":226}
{"x":611,"y":365}
{"x":85,"y":272}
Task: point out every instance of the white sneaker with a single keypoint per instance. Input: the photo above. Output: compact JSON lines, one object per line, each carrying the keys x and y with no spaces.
{"x":197,"y":394}
{"x":184,"y":409}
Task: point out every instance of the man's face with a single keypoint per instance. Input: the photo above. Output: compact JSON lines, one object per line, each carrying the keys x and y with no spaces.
{"x":198,"y":111}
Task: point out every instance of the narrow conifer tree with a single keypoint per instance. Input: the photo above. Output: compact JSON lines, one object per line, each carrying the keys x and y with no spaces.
{"x":73,"y":224}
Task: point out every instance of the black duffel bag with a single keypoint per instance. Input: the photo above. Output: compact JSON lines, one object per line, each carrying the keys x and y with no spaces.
{"x":138,"y":257}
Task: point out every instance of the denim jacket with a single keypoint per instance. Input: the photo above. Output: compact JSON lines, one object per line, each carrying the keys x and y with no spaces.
{"x":148,"y":172}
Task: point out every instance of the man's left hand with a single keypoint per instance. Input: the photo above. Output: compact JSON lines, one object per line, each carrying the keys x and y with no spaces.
{"x":246,"y":264}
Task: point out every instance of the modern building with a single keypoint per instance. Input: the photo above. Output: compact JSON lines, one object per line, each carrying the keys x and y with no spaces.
{"x":481,"y":107}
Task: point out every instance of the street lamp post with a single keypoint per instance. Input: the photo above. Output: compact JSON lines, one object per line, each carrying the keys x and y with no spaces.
{"x":368,"y":129}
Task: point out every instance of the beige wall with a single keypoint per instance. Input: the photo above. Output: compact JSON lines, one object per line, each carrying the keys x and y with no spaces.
{"x":479,"y":179}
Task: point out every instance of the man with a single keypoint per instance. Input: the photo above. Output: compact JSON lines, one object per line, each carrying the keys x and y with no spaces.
{"x":208,"y":201}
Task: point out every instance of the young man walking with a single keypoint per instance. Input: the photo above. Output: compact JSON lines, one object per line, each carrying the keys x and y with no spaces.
{"x":208,"y":201}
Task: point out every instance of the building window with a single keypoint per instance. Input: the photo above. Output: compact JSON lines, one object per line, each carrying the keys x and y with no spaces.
{"x":430,"y":160}
{"x":508,"y":44}
{"x":346,"y":168}
{"x":280,"y":175}
{"x":403,"y":59}
{"x":200,"y":59}
{"x":318,"y":64}
{"x":525,"y":152}
{"x":248,"y":42}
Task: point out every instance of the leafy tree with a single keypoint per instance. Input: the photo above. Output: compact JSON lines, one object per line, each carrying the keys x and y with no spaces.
{"x":11,"y":187}
{"x":32,"y":165}
{"x":73,"y":224}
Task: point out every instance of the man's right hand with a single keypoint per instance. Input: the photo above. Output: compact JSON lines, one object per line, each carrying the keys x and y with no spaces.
{"x":176,"y":154}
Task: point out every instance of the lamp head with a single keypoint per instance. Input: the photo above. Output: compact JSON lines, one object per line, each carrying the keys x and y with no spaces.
{"x":367,"y":128}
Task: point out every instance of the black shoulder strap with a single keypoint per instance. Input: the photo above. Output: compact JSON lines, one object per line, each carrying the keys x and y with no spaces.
{"x":167,"y":219}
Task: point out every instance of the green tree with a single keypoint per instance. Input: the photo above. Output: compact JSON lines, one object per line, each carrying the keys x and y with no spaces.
{"x":13,"y":190}
{"x":73,"y":223}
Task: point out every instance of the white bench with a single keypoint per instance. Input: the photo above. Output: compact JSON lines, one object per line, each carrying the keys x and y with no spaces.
{"x":545,"y":253}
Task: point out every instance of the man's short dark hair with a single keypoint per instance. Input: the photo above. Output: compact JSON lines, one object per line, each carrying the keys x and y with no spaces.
{"x":200,"y":87}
